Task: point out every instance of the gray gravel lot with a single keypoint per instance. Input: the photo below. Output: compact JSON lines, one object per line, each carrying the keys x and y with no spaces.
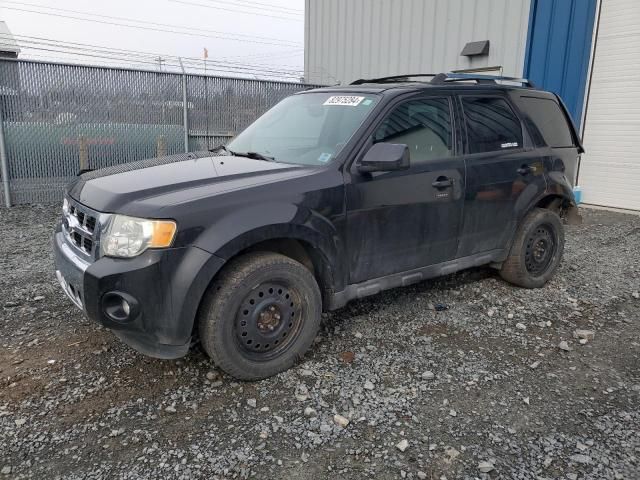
{"x":479,"y":390}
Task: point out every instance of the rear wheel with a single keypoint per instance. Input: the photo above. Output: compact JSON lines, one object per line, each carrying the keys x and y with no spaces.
{"x":260,"y":316}
{"x":536,"y":250}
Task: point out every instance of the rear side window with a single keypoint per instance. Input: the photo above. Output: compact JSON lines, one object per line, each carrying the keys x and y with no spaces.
{"x":549,"y":120}
{"x":491,"y":124}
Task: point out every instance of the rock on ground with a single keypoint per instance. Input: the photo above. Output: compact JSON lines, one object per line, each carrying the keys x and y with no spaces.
{"x":101,"y":410}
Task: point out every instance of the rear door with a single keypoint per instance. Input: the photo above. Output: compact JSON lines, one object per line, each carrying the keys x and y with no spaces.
{"x":504,"y":172}
{"x":401,"y":220}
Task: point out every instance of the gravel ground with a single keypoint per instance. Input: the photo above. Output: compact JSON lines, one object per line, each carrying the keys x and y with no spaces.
{"x":394,"y":387}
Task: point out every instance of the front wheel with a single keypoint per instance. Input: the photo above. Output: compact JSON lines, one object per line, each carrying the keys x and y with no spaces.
{"x":536,"y":250}
{"x":260,"y":316}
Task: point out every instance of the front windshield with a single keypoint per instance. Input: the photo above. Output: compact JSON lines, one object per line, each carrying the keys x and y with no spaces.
{"x":306,"y":129}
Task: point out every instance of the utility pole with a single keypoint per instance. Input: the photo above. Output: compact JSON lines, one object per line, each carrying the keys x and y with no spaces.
{"x":160,"y":62}
{"x":205,"y":56}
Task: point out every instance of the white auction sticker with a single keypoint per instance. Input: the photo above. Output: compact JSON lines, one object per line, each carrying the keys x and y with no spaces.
{"x":346,"y":100}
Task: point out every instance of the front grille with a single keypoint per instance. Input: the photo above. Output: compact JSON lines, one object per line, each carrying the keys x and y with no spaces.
{"x":91,"y":223}
{"x":79,"y":225}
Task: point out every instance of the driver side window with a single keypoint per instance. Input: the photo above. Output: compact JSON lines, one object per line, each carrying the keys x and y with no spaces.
{"x":423,"y":125}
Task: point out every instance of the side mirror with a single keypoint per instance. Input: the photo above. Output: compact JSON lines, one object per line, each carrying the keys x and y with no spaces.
{"x":385,"y":157}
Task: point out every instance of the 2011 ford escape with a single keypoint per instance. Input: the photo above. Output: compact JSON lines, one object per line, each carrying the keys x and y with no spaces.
{"x":333,"y":194}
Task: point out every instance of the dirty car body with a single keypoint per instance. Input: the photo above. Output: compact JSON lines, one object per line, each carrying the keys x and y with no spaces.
{"x":450,"y":200}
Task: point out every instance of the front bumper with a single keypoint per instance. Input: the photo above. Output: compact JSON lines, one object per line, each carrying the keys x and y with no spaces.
{"x":166,"y":284}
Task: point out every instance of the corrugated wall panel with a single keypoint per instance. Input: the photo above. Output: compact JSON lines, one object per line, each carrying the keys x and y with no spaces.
{"x":346,"y":40}
{"x":610,"y":168}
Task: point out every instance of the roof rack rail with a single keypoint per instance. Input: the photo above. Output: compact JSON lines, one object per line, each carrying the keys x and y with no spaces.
{"x":393,"y":78}
{"x":443,"y":78}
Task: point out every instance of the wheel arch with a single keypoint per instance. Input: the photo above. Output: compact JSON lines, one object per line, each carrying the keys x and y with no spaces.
{"x":563,"y":205}
{"x":313,"y":249}
{"x":304,"y":252}
{"x":557,"y":201}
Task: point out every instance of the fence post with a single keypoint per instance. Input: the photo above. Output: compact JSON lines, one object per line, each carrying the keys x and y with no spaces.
{"x":161,"y":146}
{"x":4,"y":163}
{"x":185,"y":108}
{"x":83,"y":152}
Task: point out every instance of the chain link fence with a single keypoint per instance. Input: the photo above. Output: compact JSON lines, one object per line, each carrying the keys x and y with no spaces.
{"x":58,"y":119}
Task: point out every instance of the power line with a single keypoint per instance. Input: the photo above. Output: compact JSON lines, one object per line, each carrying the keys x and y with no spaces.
{"x":137,"y":27}
{"x":151,"y":59}
{"x":287,"y":53}
{"x":154,"y":64}
{"x":150,"y":62}
{"x":98,"y":63}
{"x":215,"y":7}
{"x":271,"y":5}
{"x":211,"y":33}
{"x":251,"y":5}
{"x":41,"y":41}
{"x":127,"y":19}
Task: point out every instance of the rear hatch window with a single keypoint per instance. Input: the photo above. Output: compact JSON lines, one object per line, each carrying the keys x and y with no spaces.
{"x":549,"y":122}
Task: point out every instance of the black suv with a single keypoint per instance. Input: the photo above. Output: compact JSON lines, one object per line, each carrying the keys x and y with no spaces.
{"x":333,"y":194}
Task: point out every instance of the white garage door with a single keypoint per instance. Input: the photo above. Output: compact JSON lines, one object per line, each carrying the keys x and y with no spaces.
{"x":610,"y":169}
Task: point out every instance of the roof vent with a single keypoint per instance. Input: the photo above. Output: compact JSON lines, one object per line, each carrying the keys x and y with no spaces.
{"x":476,"y":49}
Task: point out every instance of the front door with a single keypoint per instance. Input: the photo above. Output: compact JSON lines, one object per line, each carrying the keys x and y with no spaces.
{"x":401,"y":220}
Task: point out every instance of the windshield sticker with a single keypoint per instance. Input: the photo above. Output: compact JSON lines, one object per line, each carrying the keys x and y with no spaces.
{"x":509,"y":145}
{"x":324,"y":157}
{"x":367,"y":102}
{"x":345,"y":100}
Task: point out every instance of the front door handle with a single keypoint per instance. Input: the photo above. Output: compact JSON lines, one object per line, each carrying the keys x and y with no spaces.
{"x":442,"y":182}
{"x":526,"y":169}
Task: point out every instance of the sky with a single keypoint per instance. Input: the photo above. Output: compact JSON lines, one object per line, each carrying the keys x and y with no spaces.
{"x":255,"y":39}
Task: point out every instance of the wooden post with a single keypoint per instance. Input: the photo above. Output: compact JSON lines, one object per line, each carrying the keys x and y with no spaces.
{"x":161,"y":149}
{"x":83,"y":150}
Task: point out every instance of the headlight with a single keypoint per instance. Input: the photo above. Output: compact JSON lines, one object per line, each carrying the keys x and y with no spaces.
{"x":129,"y":236}
{"x":65,"y":206}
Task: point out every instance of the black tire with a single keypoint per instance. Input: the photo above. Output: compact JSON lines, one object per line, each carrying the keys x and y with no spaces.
{"x":260,"y":316}
{"x":536,"y":250}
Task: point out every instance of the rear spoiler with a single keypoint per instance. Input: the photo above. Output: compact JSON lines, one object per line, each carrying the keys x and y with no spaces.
{"x":572,"y":126}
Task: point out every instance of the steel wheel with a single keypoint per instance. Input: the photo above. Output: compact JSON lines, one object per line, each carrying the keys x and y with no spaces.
{"x":536,"y":250}
{"x":268,"y":320}
{"x":540,"y":250}
{"x":260,"y":315}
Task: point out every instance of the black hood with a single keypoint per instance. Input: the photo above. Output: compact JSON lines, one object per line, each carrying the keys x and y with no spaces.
{"x":174,"y":179}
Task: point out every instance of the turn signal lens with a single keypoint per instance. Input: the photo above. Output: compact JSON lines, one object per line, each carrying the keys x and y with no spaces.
{"x":163,"y":233}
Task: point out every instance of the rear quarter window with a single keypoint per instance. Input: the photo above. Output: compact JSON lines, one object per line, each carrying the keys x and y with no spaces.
{"x":491,"y":124}
{"x":549,"y":121}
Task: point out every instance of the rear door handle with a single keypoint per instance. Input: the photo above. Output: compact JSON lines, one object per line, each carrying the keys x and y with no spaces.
{"x":526,"y":169}
{"x":442,"y":182}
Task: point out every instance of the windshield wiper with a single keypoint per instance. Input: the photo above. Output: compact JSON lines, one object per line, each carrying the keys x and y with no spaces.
{"x":252,"y":155}
{"x":221,"y":148}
